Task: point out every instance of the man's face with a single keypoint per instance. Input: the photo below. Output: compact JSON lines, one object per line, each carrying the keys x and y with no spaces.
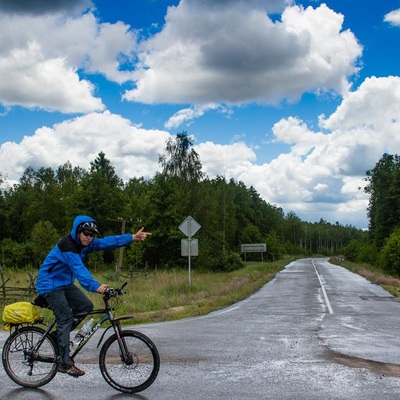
{"x":85,"y":237}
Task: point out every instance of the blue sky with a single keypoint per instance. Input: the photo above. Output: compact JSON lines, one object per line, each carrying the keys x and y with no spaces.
{"x":296,"y":98}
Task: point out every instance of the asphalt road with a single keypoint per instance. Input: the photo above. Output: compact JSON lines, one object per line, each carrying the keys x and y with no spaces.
{"x":317,"y":331}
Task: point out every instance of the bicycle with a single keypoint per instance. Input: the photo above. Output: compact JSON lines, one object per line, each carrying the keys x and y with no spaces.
{"x":128,"y":360}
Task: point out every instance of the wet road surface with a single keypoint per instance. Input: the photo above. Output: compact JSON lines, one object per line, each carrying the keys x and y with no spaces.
{"x":317,"y":331}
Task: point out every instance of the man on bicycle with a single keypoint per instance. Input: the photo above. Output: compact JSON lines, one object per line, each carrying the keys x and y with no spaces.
{"x":64,"y":264}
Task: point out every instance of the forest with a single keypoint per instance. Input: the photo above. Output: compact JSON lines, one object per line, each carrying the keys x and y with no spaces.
{"x":382,"y":249}
{"x":37,"y":211}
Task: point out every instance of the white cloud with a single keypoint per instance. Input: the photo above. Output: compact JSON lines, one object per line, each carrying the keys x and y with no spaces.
{"x":237,"y":55}
{"x":113,"y":45}
{"x":132,"y":151}
{"x":33,"y":81}
{"x":375,"y":105}
{"x":42,"y":63}
{"x":188,"y":115}
{"x":226,"y":160}
{"x":393,"y":17}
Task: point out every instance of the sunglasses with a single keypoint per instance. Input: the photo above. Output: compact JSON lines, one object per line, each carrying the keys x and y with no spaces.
{"x":88,"y":233}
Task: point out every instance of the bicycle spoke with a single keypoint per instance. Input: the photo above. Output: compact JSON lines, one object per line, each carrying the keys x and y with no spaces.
{"x":134,"y":372}
{"x":26,"y":365}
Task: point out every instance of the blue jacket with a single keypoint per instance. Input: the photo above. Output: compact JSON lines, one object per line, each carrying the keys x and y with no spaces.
{"x":64,"y":263}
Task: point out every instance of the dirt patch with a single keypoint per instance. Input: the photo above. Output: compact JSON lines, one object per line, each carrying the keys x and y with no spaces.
{"x":373,"y":366}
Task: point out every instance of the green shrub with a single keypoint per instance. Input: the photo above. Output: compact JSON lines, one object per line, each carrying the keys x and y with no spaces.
{"x":368,"y":253}
{"x":351,"y":250}
{"x":231,"y":262}
{"x":389,"y":257}
{"x":15,"y":255}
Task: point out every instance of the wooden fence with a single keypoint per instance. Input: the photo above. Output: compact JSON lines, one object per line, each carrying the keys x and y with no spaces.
{"x":10,"y":294}
{"x":135,"y":272}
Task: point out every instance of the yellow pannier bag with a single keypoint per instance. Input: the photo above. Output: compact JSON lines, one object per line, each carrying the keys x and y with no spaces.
{"x":20,"y":313}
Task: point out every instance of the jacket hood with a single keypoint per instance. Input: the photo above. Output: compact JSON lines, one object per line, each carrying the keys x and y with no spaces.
{"x":77,"y":221}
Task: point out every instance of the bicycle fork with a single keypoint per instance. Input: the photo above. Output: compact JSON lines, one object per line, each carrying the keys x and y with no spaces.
{"x":126,"y":356}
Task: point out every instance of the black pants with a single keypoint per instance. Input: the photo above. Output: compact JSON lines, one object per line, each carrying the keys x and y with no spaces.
{"x":65,"y":304}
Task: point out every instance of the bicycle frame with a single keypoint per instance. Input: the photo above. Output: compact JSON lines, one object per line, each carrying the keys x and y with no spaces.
{"x":107,"y":315}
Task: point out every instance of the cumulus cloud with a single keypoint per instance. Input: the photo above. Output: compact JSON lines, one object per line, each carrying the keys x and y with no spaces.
{"x":375,"y":107}
{"x":43,"y":63}
{"x":393,"y":17}
{"x":40,"y":7}
{"x":238,"y":54}
{"x":34,"y":81}
{"x":270,"y":6}
{"x":229,"y":160}
{"x":132,"y":151}
{"x":228,"y":52}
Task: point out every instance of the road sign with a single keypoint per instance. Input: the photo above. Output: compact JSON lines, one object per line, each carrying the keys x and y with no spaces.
{"x":189,"y":247}
{"x":254,"y":248}
{"x":189,"y":226}
{"x":193,"y":250}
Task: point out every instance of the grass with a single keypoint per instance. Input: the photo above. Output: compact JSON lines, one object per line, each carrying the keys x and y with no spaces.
{"x":166,"y":295}
{"x":372,"y":274}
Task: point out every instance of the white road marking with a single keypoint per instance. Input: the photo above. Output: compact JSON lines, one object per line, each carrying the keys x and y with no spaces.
{"x":322,"y":282}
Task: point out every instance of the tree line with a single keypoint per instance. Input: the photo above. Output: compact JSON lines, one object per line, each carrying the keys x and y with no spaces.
{"x":383,"y":245}
{"x":40,"y":208}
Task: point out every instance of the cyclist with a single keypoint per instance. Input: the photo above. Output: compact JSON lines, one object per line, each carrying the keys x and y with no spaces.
{"x":64,"y":264}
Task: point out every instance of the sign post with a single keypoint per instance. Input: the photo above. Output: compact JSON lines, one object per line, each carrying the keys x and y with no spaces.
{"x":189,"y":246}
{"x":254,"y":248}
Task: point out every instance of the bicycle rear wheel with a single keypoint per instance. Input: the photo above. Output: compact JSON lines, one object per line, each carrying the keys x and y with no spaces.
{"x":135,"y":373}
{"x":26,"y":364}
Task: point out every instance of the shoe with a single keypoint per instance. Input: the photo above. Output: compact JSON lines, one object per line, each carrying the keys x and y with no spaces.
{"x":70,"y":370}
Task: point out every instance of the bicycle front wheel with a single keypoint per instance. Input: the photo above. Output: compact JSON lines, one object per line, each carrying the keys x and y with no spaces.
{"x":130,"y":364}
{"x":27,"y":364}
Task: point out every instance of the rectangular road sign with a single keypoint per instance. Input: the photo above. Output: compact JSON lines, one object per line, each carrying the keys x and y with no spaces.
{"x":254,"y":248}
{"x":194,"y":247}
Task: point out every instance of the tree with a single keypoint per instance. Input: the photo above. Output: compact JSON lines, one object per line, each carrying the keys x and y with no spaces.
{"x":165,"y":215}
{"x":229,"y":213}
{"x":180,"y":160}
{"x":384,"y":204}
{"x":69,"y":180}
{"x":35,"y":198}
{"x":43,"y":237}
{"x":274,"y":246}
{"x":101,"y":194}
{"x":251,"y":234}
{"x":293,"y":229}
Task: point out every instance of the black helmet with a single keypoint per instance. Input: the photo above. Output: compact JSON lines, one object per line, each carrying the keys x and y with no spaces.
{"x":88,"y":226}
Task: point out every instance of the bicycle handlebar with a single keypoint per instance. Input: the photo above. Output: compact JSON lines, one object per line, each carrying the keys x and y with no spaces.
{"x":110,"y":292}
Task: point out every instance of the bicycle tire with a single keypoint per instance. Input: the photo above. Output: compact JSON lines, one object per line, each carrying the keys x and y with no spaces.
{"x":23,"y":365}
{"x":140,"y":372}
